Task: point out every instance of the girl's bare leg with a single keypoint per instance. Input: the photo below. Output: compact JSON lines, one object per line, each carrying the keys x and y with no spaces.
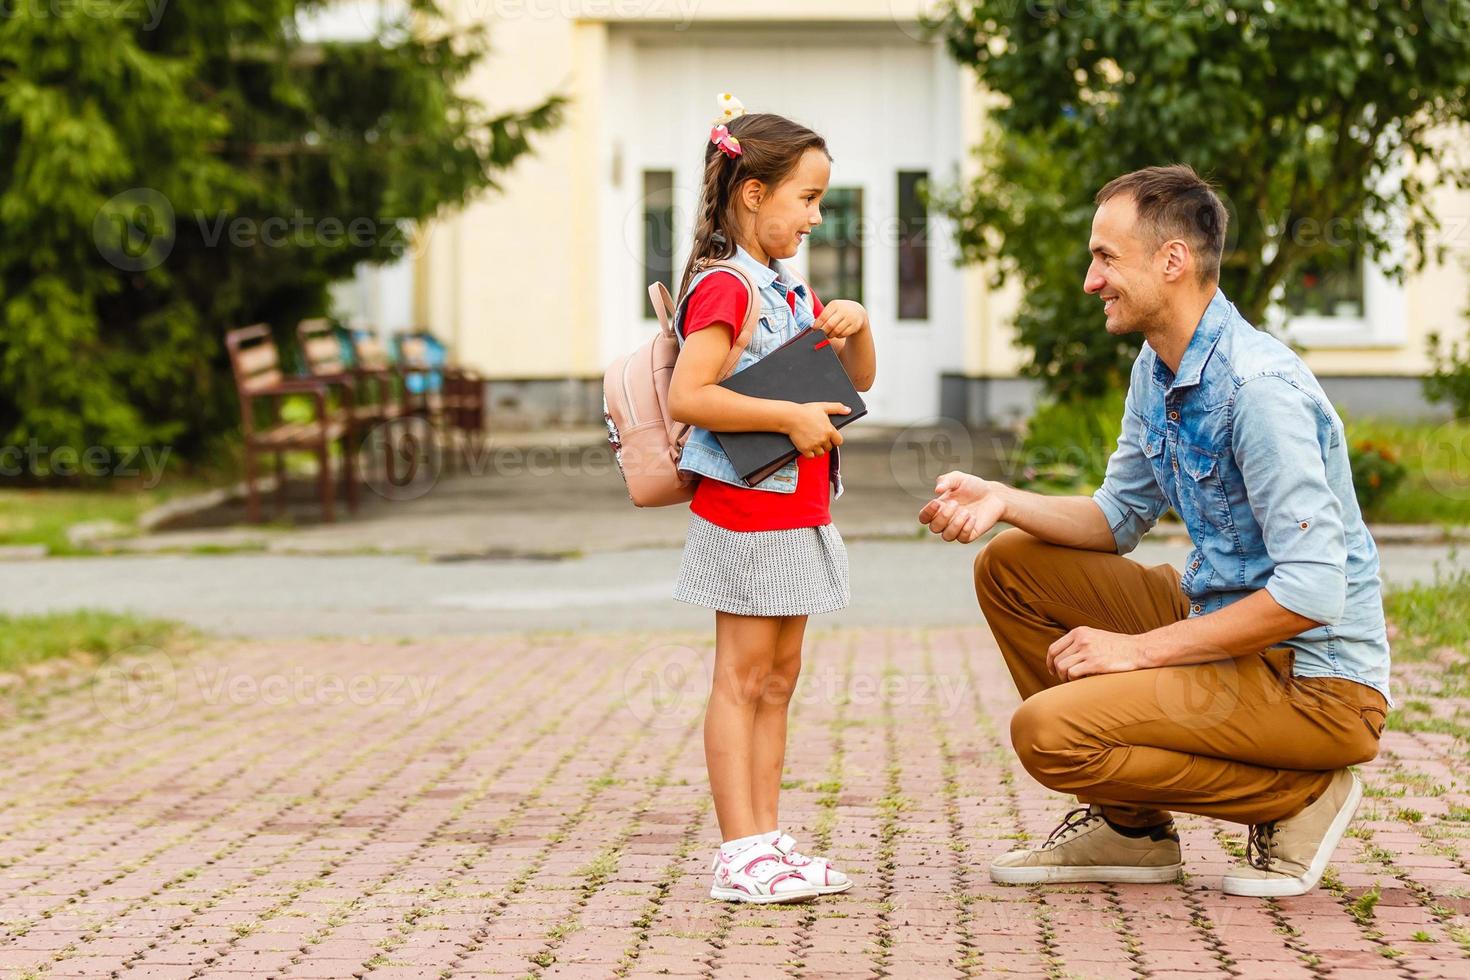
{"x":745,"y":650}
{"x":769,"y":755}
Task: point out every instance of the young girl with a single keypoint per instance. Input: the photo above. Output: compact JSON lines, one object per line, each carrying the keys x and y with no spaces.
{"x":764,"y":557}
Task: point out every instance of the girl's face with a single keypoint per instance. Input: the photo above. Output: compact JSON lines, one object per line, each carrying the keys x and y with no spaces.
{"x":785,"y":214}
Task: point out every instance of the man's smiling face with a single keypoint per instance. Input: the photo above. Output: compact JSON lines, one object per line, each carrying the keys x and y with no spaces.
{"x":1126,"y":271}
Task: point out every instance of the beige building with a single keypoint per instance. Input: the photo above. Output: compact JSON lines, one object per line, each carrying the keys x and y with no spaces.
{"x":542,"y":285}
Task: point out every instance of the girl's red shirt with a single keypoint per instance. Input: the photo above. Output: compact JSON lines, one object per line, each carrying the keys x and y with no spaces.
{"x":722,"y":300}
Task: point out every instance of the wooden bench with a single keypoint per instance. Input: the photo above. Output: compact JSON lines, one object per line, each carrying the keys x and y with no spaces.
{"x":457,"y":403}
{"x":379,"y":389}
{"x":260,"y":384}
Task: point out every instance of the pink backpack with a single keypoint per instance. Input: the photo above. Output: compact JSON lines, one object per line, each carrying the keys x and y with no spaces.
{"x":646,"y":441}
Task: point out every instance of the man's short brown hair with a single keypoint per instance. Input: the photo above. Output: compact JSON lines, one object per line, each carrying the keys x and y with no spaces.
{"x":1175,"y":202}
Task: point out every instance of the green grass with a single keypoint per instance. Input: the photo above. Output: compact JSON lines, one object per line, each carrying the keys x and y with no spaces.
{"x":1437,"y":487}
{"x":1431,"y":615}
{"x":1362,"y":908}
{"x":27,"y":640}
{"x":41,"y":516}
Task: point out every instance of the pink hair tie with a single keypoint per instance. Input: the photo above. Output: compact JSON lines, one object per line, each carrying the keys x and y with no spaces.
{"x":729,"y":145}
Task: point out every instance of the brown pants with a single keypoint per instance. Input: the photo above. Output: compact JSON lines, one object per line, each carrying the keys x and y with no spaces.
{"x":1238,"y":739}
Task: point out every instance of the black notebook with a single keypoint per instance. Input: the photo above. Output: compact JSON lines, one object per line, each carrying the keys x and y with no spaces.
{"x":804,"y":369}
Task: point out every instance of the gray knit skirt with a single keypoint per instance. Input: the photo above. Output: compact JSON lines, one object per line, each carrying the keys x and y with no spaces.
{"x":799,"y":572}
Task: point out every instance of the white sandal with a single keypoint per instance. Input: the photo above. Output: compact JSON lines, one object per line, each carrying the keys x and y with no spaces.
{"x":760,"y":875}
{"x":815,"y":869}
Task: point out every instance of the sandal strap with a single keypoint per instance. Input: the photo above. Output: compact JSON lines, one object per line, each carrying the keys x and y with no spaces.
{"x":758,"y":870}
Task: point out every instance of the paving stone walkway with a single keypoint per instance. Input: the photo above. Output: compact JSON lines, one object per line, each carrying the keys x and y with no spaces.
{"x":535,"y":806}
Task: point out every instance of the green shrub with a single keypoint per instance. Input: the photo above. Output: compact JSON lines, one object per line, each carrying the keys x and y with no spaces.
{"x":1066,"y":444}
{"x":1449,"y":381}
{"x":1377,"y":472}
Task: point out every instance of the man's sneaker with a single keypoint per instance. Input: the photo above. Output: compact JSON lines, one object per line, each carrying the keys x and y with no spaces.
{"x":760,"y":875}
{"x":816,"y":870}
{"x":1287,"y":857}
{"x":1085,"y":848}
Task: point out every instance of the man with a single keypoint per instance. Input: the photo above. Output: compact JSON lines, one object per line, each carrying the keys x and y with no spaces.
{"x":1244,"y":688}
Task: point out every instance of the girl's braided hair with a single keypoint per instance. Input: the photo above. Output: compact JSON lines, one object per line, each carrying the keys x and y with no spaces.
{"x":771,"y":146}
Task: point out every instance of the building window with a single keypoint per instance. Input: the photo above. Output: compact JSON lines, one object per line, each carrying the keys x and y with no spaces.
{"x":913,"y":246}
{"x":1328,"y":286}
{"x":1342,"y":300}
{"x":658,"y":232}
{"x":835,"y":261}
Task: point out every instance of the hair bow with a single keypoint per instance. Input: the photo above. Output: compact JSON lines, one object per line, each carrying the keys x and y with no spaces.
{"x":729,"y":145}
{"x":728,"y":107}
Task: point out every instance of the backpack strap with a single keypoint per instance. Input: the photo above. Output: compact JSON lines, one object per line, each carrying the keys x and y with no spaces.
{"x":663,"y":308}
{"x":666,"y":311}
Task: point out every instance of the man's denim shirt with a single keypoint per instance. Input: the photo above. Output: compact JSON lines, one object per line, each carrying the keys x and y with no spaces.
{"x":1244,"y":445}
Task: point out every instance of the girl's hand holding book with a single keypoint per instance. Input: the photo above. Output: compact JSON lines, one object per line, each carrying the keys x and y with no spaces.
{"x":842,"y":318}
{"x":810,"y":427}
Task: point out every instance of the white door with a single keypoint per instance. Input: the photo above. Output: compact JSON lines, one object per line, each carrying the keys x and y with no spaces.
{"x":887,"y":106}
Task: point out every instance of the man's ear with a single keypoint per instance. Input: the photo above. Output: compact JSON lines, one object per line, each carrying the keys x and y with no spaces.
{"x":1178,"y":260}
{"x":752,"y":193}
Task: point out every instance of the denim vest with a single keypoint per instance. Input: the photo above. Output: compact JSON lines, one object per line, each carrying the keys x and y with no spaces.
{"x":702,"y":454}
{"x":1245,"y":446}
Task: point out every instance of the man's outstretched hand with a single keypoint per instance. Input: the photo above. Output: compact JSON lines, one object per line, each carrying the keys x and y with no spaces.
{"x":964,"y":507}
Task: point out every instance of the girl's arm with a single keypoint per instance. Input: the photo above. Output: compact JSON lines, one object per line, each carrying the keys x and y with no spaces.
{"x":696,"y":398}
{"x":859,"y":359}
{"x":847,"y":324}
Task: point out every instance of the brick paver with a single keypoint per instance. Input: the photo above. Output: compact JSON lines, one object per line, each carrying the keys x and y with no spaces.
{"x":536,"y":806}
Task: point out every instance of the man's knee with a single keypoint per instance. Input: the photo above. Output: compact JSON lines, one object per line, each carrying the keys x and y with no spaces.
{"x":1005,"y":552}
{"x":1051,"y":749}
